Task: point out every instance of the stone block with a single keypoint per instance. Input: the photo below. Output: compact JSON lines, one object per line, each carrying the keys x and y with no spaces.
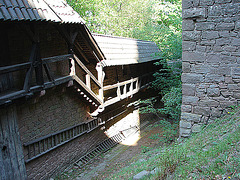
{"x":189,"y":117}
{"x":213,"y":92}
{"x":193,"y":56}
{"x":235,"y":71}
{"x":189,"y":100}
{"x":228,"y":80}
{"x":188,"y":89}
{"x":184,"y":132}
{"x":196,"y":128}
{"x":213,"y":58}
{"x":223,"y":70}
{"x":194,"y":13}
{"x":208,"y":103}
{"x":215,"y":11}
{"x":233,"y":87}
{"x":187,"y":25}
{"x":230,"y":48}
{"x":200,"y":48}
{"x":235,"y":42}
{"x":188,"y":45}
{"x":205,"y":26}
{"x":190,"y":78}
{"x":208,"y":43}
{"x":202,"y":69}
{"x":190,"y":3}
{"x":217,"y":49}
{"x":206,"y":2}
{"x":223,"y":41}
{"x":236,"y":95}
{"x":222,"y":1}
{"x":225,"y":26}
{"x":201,"y":110}
{"x":141,"y":174}
{"x":186,"y":67}
{"x":237,"y":25}
{"x":216,"y":112}
{"x":210,"y":35}
{"x":228,"y":59}
{"x":224,"y":34}
{"x":185,"y":124}
{"x":214,"y":78}
{"x":226,"y":104}
{"x":186,"y":108}
{"x":191,"y":35}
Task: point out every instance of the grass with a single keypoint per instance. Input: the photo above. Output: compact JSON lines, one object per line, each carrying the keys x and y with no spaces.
{"x":214,"y":153}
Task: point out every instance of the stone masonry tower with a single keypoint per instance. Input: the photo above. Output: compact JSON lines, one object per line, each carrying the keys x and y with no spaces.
{"x":211,"y":61}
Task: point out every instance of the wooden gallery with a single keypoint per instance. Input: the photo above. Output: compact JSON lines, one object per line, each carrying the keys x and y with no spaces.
{"x":60,"y":85}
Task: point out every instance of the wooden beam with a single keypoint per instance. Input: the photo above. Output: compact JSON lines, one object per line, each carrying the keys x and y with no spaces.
{"x":56,"y":58}
{"x":83,"y":85}
{"x":86,"y":70}
{"x":39,"y":67}
{"x":48,"y":72}
{"x":29,"y":72}
{"x":17,"y":67}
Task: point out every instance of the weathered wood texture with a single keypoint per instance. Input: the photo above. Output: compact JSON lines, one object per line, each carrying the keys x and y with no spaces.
{"x":11,"y":154}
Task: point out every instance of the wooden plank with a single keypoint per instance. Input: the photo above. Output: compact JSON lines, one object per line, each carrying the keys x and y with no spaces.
{"x":10,"y":158}
{"x":17,"y":67}
{"x":4,"y":161}
{"x":86,"y":70}
{"x":18,"y":151}
{"x":56,"y":58}
{"x":80,"y":82}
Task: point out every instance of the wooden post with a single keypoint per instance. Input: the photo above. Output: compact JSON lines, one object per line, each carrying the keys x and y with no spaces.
{"x":125,"y":91}
{"x":39,"y":67}
{"x":11,"y":153}
{"x":72,"y":69}
{"x":131,"y":87}
{"x":118,"y":91}
{"x":88,"y":81}
{"x":101,"y":76}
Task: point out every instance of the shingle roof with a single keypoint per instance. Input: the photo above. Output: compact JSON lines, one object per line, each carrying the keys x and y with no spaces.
{"x":120,"y":51}
{"x":38,"y":10}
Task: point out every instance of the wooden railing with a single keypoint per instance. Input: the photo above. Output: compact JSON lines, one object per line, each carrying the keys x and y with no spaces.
{"x":127,"y":88}
{"x":51,"y":79}
{"x":43,"y":145}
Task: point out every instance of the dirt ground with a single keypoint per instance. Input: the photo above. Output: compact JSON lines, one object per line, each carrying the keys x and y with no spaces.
{"x":118,"y":157}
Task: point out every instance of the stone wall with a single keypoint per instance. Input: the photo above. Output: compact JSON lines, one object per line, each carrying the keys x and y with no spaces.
{"x":211,"y":61}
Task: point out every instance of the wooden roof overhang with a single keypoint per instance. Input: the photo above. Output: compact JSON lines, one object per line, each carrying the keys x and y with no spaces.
{"x":28,"y":14}
{"x":125,"y":51}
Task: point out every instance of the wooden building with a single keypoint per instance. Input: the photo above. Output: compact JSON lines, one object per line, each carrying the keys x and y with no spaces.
{"x":55,"y":79}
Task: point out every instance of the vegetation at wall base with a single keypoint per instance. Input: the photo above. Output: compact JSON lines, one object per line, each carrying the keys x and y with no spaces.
{"x":214,"y":153}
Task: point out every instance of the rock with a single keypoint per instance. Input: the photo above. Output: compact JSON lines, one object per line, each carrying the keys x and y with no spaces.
{"x":141,"y":174}
{"x":196,"y":128}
